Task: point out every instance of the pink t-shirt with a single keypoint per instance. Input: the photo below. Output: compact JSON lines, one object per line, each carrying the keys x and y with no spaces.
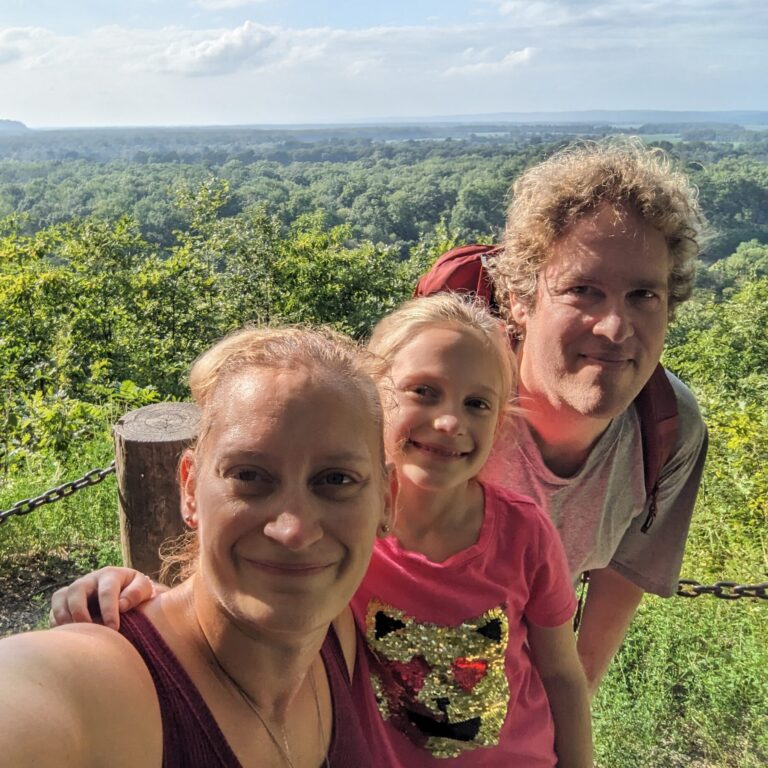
{"x":449,"y":661}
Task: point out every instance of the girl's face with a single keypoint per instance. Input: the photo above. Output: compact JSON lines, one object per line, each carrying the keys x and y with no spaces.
{"x":440,"y":430}
{"x":287,"y":490}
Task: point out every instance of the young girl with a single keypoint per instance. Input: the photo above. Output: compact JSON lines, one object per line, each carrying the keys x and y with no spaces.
{"x":466,"y":608}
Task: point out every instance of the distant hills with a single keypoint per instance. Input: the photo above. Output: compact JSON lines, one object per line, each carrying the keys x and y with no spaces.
{"x":12,"y":126}
{"x":623,"y":117}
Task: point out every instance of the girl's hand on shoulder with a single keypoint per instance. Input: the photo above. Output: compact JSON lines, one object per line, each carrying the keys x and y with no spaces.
{"x":107,"y":592}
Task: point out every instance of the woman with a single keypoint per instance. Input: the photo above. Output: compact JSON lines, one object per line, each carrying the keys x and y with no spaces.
{"x":245,"y":662}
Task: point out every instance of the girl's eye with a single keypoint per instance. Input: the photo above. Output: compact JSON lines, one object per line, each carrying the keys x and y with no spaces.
{"x":479,"y":404}
{"x":245,"y":475}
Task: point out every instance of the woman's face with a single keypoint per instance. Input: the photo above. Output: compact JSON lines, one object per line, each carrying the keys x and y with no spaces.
{"x":287,"y":491}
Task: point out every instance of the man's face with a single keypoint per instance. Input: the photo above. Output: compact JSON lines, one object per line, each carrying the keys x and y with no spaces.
{"x":597,"y":329}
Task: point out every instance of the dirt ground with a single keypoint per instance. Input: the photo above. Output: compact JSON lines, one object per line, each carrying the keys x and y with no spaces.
{"x":27,"y":583}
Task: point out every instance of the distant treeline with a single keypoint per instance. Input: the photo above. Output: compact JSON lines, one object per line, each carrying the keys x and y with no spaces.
{"x":219,"y":144}
{"x":389,"y":184}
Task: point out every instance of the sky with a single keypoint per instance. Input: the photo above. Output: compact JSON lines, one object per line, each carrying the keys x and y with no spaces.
{"x":88,"y":63}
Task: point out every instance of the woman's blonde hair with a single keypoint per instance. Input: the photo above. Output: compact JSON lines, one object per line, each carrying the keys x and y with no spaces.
{"x":321,"y":350}
{"x":399,"y":327}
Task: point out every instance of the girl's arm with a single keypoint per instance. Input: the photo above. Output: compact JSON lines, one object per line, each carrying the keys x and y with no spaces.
{"x":111,"y":590}
{"x":553,"y":650}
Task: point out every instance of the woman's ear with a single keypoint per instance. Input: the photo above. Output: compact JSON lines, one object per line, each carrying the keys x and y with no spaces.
{"x":187,"y":488}
{"x":390,"y":503}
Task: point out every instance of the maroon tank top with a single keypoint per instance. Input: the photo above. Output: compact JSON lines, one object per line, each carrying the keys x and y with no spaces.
{"x":191,"y":737}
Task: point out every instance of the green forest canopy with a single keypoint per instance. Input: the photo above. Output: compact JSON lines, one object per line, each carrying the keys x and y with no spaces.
{"x":119,"y":265}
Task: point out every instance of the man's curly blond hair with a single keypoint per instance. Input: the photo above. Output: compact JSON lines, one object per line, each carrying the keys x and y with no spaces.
{"x":575,"y":182}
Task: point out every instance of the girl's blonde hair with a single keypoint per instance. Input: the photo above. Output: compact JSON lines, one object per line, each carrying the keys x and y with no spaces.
{"x":320,"y":350}
{"x":462,"y":311}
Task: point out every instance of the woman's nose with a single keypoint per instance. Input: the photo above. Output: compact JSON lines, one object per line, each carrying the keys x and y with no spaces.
{"x":294,"y":528}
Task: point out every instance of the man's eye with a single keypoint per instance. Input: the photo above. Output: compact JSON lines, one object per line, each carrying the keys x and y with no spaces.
{"x":581,"y":290}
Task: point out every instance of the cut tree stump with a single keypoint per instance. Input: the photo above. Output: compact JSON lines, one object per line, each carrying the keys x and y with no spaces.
{"x":148,"y":445}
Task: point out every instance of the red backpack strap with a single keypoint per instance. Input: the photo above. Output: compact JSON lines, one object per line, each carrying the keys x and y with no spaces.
{"x":463,"y":270}
{"x":659,"y":423}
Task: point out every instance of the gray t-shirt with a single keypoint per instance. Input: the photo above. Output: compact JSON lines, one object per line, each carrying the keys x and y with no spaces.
{"x":599,"y":511}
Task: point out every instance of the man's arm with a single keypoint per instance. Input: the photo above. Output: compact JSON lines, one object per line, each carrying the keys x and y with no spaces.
{"x":608,"y":610}
{"x":554,"y":655}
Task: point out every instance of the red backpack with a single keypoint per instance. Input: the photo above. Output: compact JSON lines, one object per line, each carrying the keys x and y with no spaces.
{"x":465,"y":270}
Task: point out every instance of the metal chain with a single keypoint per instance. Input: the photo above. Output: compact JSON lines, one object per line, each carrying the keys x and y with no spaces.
{"x":25,"y":506}
{"x":725,"y":590}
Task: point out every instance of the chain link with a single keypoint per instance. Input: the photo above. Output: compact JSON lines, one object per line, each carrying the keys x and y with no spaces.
{"x":725,"y":590}
{"x":25,"y":506}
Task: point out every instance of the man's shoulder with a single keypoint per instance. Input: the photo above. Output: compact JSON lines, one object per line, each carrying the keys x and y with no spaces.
{"x":690,"y":421}
{"x":687,"y":404}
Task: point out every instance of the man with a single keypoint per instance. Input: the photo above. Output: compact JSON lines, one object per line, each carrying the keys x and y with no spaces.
{"x":598,"y":253}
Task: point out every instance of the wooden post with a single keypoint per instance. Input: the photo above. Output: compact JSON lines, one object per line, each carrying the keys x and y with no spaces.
{"x":148,"y":444}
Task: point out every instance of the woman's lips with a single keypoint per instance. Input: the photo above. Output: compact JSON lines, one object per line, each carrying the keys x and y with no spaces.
{"x":297,"y":570}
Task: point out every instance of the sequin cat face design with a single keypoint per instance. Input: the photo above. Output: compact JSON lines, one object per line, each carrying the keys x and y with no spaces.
{"x":444,"y":687}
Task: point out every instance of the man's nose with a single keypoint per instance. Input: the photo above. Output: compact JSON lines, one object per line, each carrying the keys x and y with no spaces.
{"x":614,"y":323}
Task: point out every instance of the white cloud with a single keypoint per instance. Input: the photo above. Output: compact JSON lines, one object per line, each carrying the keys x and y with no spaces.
{"x":575,"y":55}
{"x":682,"y":16}
{"x":27,"y":45}
{"x":245,"y":47}
{"x":485,"y":66}
{"x":222,"y":5}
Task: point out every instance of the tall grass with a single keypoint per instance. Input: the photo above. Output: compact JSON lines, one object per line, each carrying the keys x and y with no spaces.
{"x":688,"y":688}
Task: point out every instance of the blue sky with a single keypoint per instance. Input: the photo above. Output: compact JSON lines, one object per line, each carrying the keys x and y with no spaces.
{"x":229,"y":62}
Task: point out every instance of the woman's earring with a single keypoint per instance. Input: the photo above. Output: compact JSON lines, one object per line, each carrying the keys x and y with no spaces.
{"x":190,"y":521}
{"x":384,"y":528}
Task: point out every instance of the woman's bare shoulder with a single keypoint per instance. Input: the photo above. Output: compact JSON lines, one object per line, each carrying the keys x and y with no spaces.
{"x":77,"y":695}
